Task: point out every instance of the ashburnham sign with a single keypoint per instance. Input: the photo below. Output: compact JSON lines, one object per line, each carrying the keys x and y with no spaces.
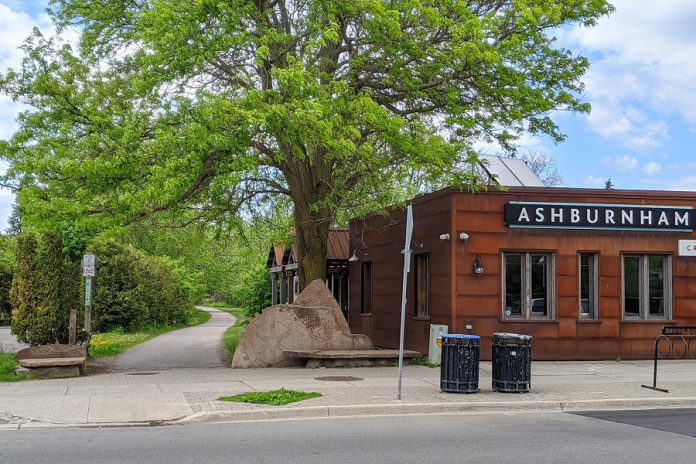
{"x":537,"y":215}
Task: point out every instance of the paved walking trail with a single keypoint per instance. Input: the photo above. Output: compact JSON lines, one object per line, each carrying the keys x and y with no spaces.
{"x":8,"y":342}
{"x":193,"y":347}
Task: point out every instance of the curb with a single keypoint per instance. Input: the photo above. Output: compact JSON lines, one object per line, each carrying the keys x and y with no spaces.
{"x":386,"y":409}
{"x":483,"y":407}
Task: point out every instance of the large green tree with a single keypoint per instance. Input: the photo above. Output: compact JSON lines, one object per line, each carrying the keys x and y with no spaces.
{"x":216,"y":106}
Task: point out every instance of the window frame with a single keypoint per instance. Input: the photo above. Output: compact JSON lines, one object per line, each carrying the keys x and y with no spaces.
{"x":594,"y":290}
{"x":526,"y":282}
{"x":363,"y":295}
{"x":644,"y":287}
{"x":418,"y":259}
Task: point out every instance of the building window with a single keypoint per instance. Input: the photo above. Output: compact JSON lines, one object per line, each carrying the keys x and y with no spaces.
{"x":647,"y":286}
{"x":422,"y":287}
{"x":528,"y":283}
{"x":366,"y":287}
{"x":589,"y":283}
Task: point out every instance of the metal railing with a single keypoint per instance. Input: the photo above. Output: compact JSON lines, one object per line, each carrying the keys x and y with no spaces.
{"x":675,"y":342}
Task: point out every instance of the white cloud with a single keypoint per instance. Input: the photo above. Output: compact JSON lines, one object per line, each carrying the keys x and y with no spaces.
{"x":621,"y":163}
{"x":16,"y":26}
{"x":594,"y":181}
{"x":687,"y":183}
{"x":652,"y":167}
{"x":643,"y":55}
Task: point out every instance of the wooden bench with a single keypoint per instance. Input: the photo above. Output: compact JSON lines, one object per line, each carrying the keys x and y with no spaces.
{"x":349,"y":358}
{"x":53,"y":361}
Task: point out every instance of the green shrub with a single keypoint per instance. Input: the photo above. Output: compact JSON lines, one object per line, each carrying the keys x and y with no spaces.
{"x":7,"y":258}
{"x":133,"y":290}
{"x":254,"y":292}
{"x":44,"y":288}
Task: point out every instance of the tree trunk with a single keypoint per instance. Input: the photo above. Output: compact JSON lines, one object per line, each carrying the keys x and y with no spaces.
{"x":312,"y":236}
{"x":309,"y":184}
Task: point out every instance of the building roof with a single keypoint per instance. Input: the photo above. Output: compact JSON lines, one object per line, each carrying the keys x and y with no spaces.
{"x":275,"y":256}
{"x":337,"y":247}
{"x":338,"y":244}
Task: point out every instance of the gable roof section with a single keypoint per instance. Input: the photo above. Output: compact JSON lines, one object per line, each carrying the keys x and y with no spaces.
{"x":338,"y":244}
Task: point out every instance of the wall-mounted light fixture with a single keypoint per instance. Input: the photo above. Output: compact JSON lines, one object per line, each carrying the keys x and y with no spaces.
{"x":463,"y":236}
{"x":355,"y":257}
{"x":444,"y":236}
{"x":478,"y":265}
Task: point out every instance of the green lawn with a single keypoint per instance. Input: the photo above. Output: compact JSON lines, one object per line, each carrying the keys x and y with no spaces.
{"x":274,"y":398}
{"x":233,"y":334}
{"x":8,"y":364}
{"x":116,"y":342}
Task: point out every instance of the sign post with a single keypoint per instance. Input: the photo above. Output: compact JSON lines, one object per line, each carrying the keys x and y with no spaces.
{"x":89,"y":265}
{"x":407,"y":268}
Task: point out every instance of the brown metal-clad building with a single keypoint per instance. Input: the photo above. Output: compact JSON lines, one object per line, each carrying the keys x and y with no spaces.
{"x":590,"y":274}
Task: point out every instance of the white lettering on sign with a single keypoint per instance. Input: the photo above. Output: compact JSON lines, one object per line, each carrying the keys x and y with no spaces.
{"x":600,"y":216}
{"x":523,"y":215}
{"x":683,"y":219}
{"x":687,"y":247}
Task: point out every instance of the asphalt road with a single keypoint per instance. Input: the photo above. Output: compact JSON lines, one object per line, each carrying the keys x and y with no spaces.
{"x":196,"y":347}
{"x":508,"y":439}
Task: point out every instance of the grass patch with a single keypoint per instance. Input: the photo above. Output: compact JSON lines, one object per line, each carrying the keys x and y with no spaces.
{"x":423,"y":362}
{"x":233,"y":334}
{"x":274,"y":398}
{"x":8,"y":365}
{"x":117,"y":341}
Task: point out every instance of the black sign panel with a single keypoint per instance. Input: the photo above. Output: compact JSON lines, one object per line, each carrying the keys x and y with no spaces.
{"x":679,"y":330}
{"x":598,"y":216}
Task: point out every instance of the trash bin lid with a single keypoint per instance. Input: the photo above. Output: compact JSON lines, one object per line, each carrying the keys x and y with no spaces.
{"x":512,"y":335}
{"x":462,"y":336}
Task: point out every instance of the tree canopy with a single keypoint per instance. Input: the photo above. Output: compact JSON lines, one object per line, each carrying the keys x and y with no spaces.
{"x":215,"y":107}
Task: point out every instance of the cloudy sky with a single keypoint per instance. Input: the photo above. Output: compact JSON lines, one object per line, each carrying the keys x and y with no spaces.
{"x":642,"y":87}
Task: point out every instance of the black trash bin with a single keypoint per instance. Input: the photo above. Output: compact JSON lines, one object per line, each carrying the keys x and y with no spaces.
{"x":512,"y":362}
{"x":459,"y":367}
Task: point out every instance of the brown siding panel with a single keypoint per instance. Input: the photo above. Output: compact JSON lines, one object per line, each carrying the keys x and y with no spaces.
{"x":477,"y":300}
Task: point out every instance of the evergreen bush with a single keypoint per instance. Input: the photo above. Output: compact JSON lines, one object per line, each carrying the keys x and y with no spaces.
{"x":7,"y":258}
{"x":44,"y":288}
{"x":133,"y":290}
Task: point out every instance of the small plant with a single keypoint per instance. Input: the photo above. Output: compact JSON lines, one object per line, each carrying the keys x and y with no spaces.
{"x":423,"y":362}
{"x":8,"y":368}
{"x":274,"y":398}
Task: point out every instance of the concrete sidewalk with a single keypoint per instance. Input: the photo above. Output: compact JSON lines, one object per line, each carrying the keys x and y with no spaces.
{"x":189,"y":395}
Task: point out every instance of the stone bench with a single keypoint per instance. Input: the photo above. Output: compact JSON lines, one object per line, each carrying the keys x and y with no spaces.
{"x":53,"y":361}
{"x":349,"y":358}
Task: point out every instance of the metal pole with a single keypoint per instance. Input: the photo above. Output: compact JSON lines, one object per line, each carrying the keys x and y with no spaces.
{"x":88,"y":311}
{"x":407,"y":267}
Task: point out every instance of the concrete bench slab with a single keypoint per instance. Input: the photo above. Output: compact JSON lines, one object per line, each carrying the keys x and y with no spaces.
{"x":53,"y":361}
{"x":349,"y":358}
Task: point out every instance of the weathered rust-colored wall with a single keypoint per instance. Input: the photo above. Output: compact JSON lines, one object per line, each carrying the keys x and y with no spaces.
{"x":478,"y":298}
{"x":383,"y":239}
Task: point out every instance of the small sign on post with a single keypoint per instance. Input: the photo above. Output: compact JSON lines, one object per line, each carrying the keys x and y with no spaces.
{"x":89,"y":267}
{"x":89,"y":264}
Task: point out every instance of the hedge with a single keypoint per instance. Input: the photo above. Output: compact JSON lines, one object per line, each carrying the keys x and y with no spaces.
{"x":44,"y":288}
{"x":133,"y":290}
